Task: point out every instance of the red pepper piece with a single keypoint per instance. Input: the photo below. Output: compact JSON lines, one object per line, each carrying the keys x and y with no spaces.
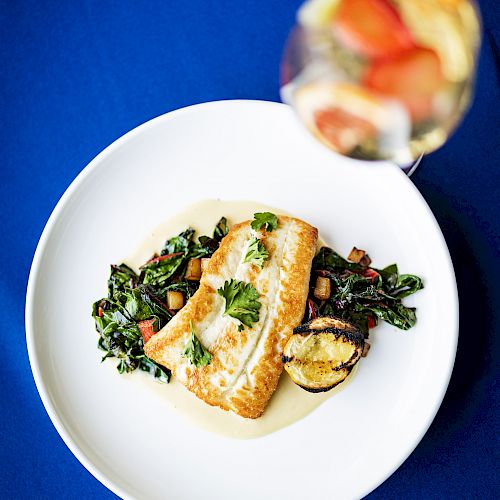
{"x":146,"y":328}
{"x":371,"y":322}
{"x":312,"y":309}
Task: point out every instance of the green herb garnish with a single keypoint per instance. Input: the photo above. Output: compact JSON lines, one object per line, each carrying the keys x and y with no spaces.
{"x":256,"y":253}
{"x":242,"y":302}
{"x":195,"y":351}
{"x":267,"y":220}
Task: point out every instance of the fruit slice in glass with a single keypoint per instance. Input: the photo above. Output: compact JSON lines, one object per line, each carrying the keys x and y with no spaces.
{"x":372,"y":28}
{"x":344,"y":116}
{"x":413,"y":77}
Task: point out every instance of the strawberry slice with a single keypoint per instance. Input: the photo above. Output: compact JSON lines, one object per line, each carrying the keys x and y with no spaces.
{"x":146,"y":327}
{"x":412,"y":77}
{"x":372,"y":28}
{"x":342,"y":130}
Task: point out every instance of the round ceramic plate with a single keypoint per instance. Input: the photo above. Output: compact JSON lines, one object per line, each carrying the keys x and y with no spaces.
{"x":129,"y":438}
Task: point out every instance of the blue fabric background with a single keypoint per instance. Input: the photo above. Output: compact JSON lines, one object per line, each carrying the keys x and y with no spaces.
{"x":77,"y":75}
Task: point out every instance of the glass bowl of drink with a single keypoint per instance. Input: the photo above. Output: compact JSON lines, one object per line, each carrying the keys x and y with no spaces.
{"x":381,"y":79}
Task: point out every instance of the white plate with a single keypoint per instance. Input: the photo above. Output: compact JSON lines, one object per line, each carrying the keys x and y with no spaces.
{"x":126,"y":436}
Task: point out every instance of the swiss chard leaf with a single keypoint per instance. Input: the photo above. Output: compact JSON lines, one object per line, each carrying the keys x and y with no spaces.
{"x":157,"y":273}
{"x":178,"y":243}
{"x":120,"y":278}
{"x":395,"y":314}
{"x":352,"y":286}
{"x":155,"y":304}
{"x":221,"y":229}
{"x":407,"y":284}
{"x":136,"y":307}
{"x":209,"y":244}
{"x":331,"y":260}
{"x":187,"y":287}
{"x":389,"y":276}
{"x":198,"y":250}
{"x":364,"y":295}
{"x":359,"y":319}
{"x":116,"y":321}
{"x":159,"y":372}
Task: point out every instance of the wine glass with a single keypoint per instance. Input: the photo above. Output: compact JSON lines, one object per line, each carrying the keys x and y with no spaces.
{"x":382,"y":79}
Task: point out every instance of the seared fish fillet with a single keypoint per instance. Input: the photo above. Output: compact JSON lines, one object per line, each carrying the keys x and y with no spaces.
{"x":246,"y":365}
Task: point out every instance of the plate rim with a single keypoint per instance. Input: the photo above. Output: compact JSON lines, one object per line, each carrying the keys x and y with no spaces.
{"x":30,"y":328}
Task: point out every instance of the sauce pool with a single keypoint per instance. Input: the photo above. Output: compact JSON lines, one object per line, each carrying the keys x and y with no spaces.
{"x":289,"y":403}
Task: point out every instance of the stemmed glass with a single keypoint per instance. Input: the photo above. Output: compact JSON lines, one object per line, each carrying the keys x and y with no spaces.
{"x":382,"y":79}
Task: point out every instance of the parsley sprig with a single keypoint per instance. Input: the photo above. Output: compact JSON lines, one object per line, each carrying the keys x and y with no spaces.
{"x":265,"y":220}
{"x":242,"y":302}
{"x":195,"y":352}
{"x":257,"y":253}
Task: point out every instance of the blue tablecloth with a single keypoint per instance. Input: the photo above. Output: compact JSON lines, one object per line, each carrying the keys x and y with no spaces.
{"x":77,"y":75}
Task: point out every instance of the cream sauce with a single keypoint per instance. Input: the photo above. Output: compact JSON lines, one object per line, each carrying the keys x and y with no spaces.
{"x":289,"y":403}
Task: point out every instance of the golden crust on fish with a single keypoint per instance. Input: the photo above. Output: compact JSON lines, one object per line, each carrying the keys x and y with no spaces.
{"x":246,"y":365}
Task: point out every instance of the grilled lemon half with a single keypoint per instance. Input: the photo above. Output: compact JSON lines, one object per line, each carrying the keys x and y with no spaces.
{"x":321,"y":354}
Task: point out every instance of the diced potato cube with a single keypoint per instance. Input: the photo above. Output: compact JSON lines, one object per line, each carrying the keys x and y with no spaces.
{"x":323,"y":288}
{"x":175,"y":300}
{"x":193,"y":271}
{"x":356,"y":255}
{"x":204,"y":264}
